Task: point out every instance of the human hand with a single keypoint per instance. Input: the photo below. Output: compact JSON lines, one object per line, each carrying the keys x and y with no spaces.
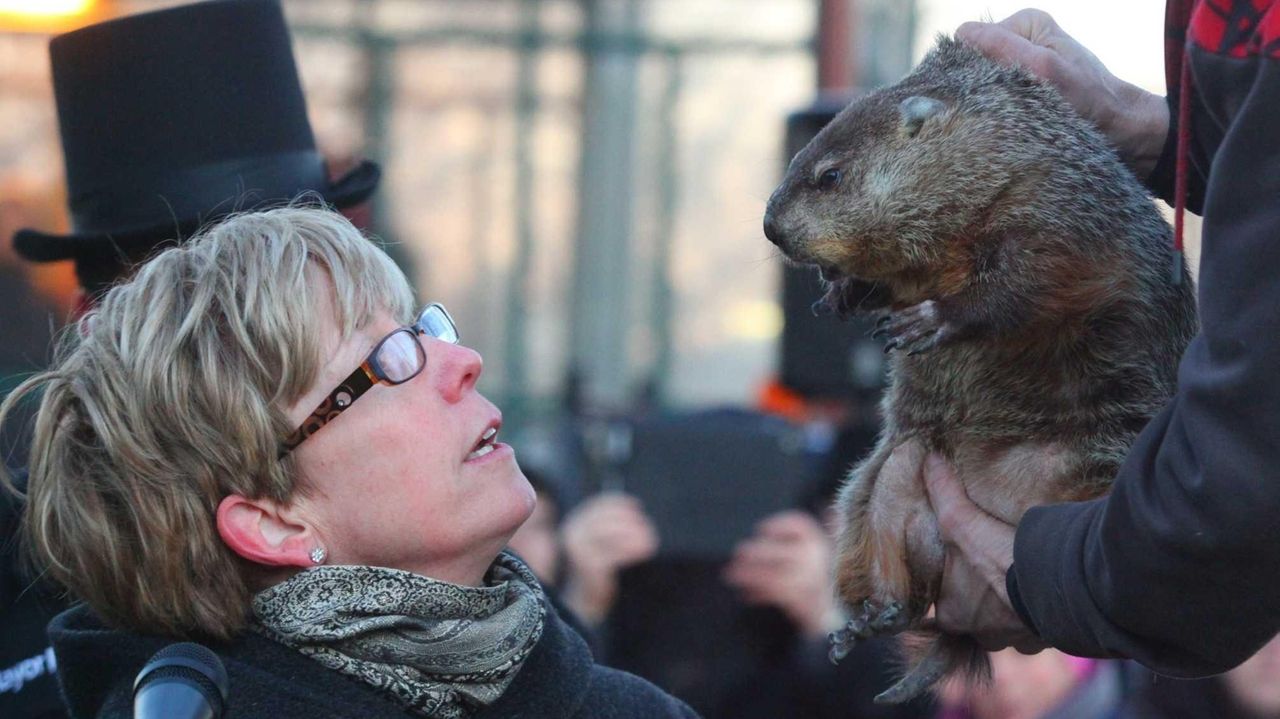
{"x":787,"y":564}
{"x":1134,"y":120}
{"x":973,"y":599}
{"x":601,"y":536}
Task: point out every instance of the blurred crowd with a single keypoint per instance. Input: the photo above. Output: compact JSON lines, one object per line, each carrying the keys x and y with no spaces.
{"x":584,"y":553}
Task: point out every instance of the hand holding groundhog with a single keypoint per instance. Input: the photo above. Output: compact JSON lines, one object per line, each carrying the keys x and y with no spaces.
{"x":973,"y":599}
{"x":1134,"y":120}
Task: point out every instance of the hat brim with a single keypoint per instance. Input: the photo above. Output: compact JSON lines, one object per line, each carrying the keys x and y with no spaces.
{"x":352,"y":188}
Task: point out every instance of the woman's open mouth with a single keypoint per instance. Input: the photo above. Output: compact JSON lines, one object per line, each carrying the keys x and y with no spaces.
{"x":486,"y":444}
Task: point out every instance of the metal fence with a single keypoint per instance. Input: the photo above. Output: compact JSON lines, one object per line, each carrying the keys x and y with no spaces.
{"x":581,"y":181}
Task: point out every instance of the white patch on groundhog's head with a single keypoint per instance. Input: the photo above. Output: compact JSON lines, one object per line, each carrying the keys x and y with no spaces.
{"x":880,"y":184}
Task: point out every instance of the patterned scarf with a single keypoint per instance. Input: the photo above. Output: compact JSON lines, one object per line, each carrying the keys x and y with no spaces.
{"x":439,"y":649}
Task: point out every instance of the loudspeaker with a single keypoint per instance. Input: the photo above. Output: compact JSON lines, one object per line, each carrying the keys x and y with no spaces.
{"x":823,"y":356}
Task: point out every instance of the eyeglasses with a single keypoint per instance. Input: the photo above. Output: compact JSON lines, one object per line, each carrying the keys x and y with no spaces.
{"x":396,"y":359}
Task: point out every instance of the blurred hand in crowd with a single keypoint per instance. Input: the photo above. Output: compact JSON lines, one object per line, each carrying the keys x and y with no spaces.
{"x":787,"y":564}
{"x":1136,"y":121}
{"x":601,"y":536}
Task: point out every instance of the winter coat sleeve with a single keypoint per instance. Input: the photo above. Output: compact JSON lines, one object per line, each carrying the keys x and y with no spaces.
{"x":1163,"y":178}
{"x":1180,"y":567}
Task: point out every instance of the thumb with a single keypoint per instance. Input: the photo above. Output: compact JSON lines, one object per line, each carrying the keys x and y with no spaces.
{"x":950,"y":503}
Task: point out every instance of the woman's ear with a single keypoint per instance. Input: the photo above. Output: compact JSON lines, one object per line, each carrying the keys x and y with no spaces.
{"x":257,"y":530}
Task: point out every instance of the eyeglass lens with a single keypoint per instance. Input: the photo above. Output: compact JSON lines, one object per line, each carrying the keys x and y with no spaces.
{"x":400,"y":356}
{"x":437,"y":323}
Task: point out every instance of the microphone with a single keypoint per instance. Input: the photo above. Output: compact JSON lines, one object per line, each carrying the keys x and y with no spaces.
{"x":181,"y":681}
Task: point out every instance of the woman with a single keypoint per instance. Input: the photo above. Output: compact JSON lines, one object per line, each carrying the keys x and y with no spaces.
{"x":257,"y":444}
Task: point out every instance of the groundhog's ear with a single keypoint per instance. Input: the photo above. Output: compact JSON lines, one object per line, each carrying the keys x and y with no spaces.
{"x":916,"y":110}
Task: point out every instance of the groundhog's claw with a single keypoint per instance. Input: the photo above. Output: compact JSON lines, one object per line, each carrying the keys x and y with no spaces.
{"x":872,"y":621}
{"x":916,"y":329}
{"x":821,"y":308}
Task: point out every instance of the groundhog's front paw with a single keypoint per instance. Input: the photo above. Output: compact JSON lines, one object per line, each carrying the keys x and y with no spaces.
{"x":916,"y":329}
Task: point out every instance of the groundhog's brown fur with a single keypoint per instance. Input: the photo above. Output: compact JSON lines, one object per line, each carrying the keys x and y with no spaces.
{"x":1024,"y":278}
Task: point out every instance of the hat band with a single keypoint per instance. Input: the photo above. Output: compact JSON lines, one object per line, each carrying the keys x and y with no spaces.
{"x":196,"y":194}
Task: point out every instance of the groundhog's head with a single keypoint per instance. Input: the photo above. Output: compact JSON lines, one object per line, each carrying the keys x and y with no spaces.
{"x":903,"y":176}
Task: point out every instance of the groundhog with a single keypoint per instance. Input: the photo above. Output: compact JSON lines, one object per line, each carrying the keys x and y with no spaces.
{"x":1031,"y":301}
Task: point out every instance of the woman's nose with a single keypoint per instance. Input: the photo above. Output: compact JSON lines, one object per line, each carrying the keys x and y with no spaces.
{"x":458,"y":371}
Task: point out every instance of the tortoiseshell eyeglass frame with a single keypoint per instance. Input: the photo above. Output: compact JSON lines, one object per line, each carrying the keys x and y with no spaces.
{"x":371,"y":372}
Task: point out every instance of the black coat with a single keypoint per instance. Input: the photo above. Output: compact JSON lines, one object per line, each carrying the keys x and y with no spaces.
{"x":97,"y":666}
{"x":28,"y":674}
{"x":1180,"y":567}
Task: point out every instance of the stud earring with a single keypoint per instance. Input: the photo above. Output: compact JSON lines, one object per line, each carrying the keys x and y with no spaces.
{"x":317,"y":555}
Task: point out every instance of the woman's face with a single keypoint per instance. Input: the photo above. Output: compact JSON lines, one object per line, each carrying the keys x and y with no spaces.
{"x":392,"y":481}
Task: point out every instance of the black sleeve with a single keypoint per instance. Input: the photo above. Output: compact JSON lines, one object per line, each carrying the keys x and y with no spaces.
{"x":1162,"y":180}
{"x":1180,"y":567}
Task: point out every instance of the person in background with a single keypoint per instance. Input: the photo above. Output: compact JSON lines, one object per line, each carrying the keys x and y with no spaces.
{"x":1250,"y":691}
{"x":603,"y":535}
{"x":537,"y":541}
{"x":1048,"y":685}
{"x":787,"y":565}
{"x":238,"y":433}
{"x":168,"y":120}
{"x":578,"y":558}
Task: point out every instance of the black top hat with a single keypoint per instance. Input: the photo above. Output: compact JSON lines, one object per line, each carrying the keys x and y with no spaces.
{"x":173,"y":118}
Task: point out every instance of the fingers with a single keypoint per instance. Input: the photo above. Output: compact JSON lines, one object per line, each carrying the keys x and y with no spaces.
{"x":789,"y":555}
{"x":1029,"y":39}
{"x":1032,"y":23}
{"x":950,"y":503}
{"x":1031,"y":26}
{"x":792,"y":525}
{"x":609,"y":530}
{"x":996,"y":42}
{"x":984,"y":543}
{"x":764,"y":553}
{"x":622,"y":545}
{"x":969,"y":603}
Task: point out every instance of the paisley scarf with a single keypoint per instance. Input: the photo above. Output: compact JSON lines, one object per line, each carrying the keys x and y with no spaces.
{"x":439,"y":649}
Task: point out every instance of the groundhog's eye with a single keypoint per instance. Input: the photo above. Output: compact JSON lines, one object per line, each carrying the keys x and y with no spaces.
{"x":829,"y":179}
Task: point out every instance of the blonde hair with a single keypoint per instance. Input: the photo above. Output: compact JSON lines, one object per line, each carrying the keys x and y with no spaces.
{"x":171,"y":395}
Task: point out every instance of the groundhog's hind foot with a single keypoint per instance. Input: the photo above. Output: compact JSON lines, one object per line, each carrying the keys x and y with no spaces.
{"x":917,"y":681}
{"x":915,"y":329}
{"x":873,"y":621}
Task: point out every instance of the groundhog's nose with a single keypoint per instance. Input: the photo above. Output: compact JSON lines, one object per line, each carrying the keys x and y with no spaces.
{"x":771,"y":229}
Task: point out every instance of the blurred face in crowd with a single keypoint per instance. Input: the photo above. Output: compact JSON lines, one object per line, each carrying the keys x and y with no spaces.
{"x":536,"y":541}
{"x":1022,"y":687}
{"x":395,"y":480}
{"x":1255,"y":685}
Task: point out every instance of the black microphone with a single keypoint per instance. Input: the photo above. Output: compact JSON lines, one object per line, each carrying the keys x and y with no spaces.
{"x":182,"y":681}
